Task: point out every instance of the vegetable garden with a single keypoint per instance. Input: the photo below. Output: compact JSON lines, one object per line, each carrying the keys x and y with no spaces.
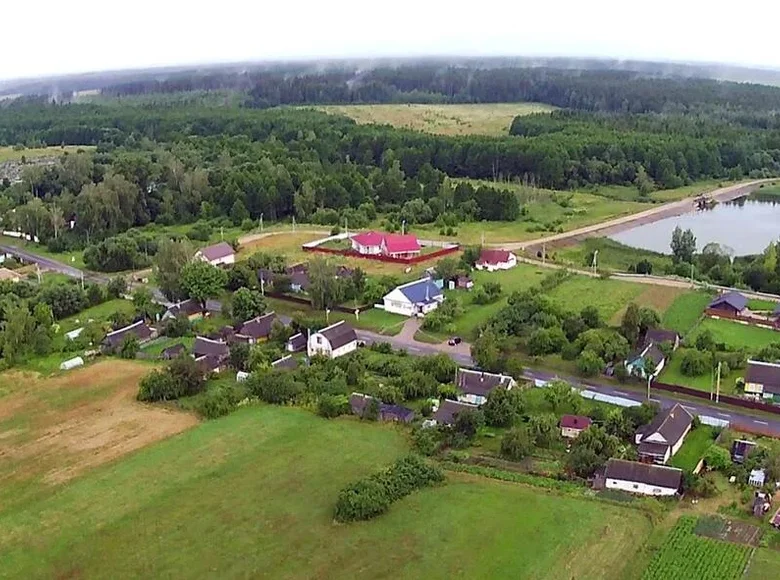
{"x":686,"y":555}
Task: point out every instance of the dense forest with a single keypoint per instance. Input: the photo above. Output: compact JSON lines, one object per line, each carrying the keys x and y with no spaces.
{"x":180,"y":162}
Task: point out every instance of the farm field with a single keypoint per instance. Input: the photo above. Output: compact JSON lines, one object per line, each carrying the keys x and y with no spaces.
{"x":659,"y":298}
{"x":738,"y":335}
{"x":468,"y":119}
{"x":11,"y":154}
{"x":609,"y":296}
{"x":686,"y":310}
{"x":672,"y":374}
{"x":686,"y":555}
{"x":696,"y":444}
{"x":243,"y":493}
{"x":54,"y":429}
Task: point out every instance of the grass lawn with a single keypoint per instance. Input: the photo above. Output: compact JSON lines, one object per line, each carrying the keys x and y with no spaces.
{"x":156,"y":346}
{"x":686,"y":311}
{"x":659,"y":298}
{"x":11,"y":154}
{"x":696,"y":444}
{"x":764,"y":565}
{"x":738,"y":335}
{"x":244,"y":494}
{"x":101,"y":312}
{"x":757,"y":305}
{"x":375,"y":320}
{"x":609,"y":296}
{"x":468,"y":119}
{"x":673,"y":375}
{"x":612,"y":255}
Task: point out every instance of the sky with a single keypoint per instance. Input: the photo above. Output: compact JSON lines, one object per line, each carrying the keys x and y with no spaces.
{"x":47,"y":37}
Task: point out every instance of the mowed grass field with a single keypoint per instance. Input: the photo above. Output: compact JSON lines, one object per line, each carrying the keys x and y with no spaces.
{"x":764,"y":564}
{"x":686,"y":310}
{"x":673,"y":374}
{"x":479,"y":119}
{"x":252,"y":495}
{"x":693,"y":449}
{"x":738,"y":335}
{"x":11,"y":154}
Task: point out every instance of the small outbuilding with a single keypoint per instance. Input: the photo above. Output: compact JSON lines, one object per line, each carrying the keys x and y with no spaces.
{"x":757,"y":478}
{"x":72,"y":363}
{"x":573,"y":425}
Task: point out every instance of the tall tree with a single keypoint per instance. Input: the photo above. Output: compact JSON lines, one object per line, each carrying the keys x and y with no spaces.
{"x":171,"y":258}
{"x":247,"y":304}
{"x":202,"y":281}
{"x":683,"y":245}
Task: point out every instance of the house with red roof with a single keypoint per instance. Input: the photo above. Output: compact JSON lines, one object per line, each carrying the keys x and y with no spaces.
{"x":382,"y":244}
{"x":573,"y":425}
{"x":492,"y":260}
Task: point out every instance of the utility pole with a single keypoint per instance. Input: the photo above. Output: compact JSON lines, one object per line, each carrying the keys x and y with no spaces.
{"x":595,"y":261}
{"x":293,"y":224}
{"x":82,"y":280}
{"x":544,"y":253}
{"x":403,"y":227}
{"x":717,"y":386}
{"x":691,"y":273}
{"x":38,"y":271}
{"x":262,"y":284}
{"x":649,"y":378}
{"x":261,"y":222}
{"x":222,"y":233}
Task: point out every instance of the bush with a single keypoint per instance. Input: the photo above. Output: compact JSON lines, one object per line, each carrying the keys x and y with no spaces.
{"x":372,"y":496}
{"x":274,"y":387}
{"x":330,"y":406}
{"x":181,"y":378}
{"x":694,"y":363}
{"x":517,"y":444}
{"x":219,"y":402}
{"x":200,"y":232}
{"x":589,"y":363}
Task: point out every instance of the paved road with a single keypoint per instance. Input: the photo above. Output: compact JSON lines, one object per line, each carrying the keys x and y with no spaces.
{"x":741,"y":420}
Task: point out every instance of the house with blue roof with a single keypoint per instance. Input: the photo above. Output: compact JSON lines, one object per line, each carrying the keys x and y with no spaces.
{"x":416,"y":298}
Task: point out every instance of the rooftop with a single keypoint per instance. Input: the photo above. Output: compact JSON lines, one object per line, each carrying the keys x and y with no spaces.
{"x":286,"y":362}
{"x":139,"y":329}
{"x":493,"y":257}
{"x":448,"y":411}
{"x":733,"y":299}
{"x":764,"y":373}
{"x":659,"y":335}
{"x":575,"y":422}
{"x":206,"y":346}
{"x":217,"y":251}
{"x":339,"y":334}
{"x":393,"y":243}
{"x":480,"y":383}
{"x":649,"y":474}
{"x":669,"y":424}
{"x":421,"y":291}
{"x":259,"y":326}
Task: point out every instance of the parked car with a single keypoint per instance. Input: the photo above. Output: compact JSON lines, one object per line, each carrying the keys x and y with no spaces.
{"x":454,"y":340}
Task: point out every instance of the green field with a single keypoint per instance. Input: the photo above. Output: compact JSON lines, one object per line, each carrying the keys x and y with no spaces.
{"x":686,"y":311}
{"x":101,"y":312}
{"x":757,"y":305}
{"x":686,"y":555}
{"x":612,"y":256}
{"x":764,"y":564}
{"x":673,"y":375}
{"x":738,"y":335}
{"x":74,"y":258}
{"x":696,"y":444}
{"x":609,"y":296}
{"x":156,"y":346}
{"x":12,"y":154}
{"x":244,"y":495}
{"x":470,"y":119}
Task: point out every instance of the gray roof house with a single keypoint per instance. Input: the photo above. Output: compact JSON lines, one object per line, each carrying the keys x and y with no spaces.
{"x":286,"y":362}
{"x":476,"y":385}
{"x":173,"y":351}
{"x":762,"y":379}
{"x":296,"y":343}
{"x":359,"y":402}
{"x":448,"y":411}
{"x":221,"y":253}
{"x":730,"y":302}
{"x":660,"y":335}
{"x":209,"y":347}
{"x":258,"y":328}
{"x":661,"y":439}
{"x":333,"y":341}
{"x":642,"y":478}
{"x":139,"y":330}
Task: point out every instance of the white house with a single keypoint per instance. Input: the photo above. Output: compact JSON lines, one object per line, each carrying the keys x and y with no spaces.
{"x":217,"y":255}
{"x":476,"y":385}
{"x":662,"y":438}
{"x":416,"y":298}
{"x":380,"y":243}
{"x":492,"y":260}
{"x":757,"y":478}
{"x":334,"y":341}
{"x":642,"y":478}
{"x":573,"y":425}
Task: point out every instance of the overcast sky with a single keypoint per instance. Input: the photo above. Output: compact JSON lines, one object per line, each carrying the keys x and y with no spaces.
{"x":46,"y":37}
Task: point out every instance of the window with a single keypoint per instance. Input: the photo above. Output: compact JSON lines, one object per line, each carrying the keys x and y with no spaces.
{"x":319,"y":340}
{"x":636,"y":486}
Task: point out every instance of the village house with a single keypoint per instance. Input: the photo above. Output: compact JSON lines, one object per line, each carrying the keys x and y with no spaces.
{"x":659,"y":336}
{"x":740,"y":450}
{"x":334,"y":341}
{"x":210,"y":347}
{"x":762,"y":381}
{"x":189,"y":308}
{"x":416,"y":298}
{"x":636,"y":365}
{"x":359,"y":402}
{"x":492,"y":260}
{"x":573,"y":425}
{"x":139,"y":330}
{"x":447,"y":412}
{"x":220,"y":254}
{"x":382,"y":244}
{"x":173,"y":351}
{"x":642,"y":478}
{"x":257,"y":329}
{"x":732,"y":303}
{"x":475,"y":386}
{"x":761,"y":503}
{"x":210,"y":363}
{"x":662,"y":438}
{"x":461,"y":282}
{"x":296,"y":343}
{"x":299,"y":281}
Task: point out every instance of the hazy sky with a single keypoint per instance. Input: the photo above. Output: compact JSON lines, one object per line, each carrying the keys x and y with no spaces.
{"x":55,"y":36}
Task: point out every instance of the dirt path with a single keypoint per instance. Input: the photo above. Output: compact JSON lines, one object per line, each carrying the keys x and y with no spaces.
{"x":616,"y":225}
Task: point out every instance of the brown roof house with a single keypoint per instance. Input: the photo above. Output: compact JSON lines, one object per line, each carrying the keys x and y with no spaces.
{"x":662,"y":438}
{"x":217,"y":255}
{"x":189,"y":308}
{"x":492,"y":260}
{"x":660,"y":335}
{"x":447,"y":412}
{"x":573,"y":425}
{"x":142,"y":333}
{"x":762,"y":381}
{"x":257,"y":329}
{"x":333,"y":341}
{"x":642,"y":478}
{"x":476,"y":385}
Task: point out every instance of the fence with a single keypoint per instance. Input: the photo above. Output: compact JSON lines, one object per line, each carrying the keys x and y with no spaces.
{"x":726,"y":399}
{"x":768,"y":324}
{"x":307,"y":303}
{"x":381,"y":258}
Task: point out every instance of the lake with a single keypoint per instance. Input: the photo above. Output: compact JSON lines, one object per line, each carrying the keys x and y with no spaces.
{"x":746,"y":225}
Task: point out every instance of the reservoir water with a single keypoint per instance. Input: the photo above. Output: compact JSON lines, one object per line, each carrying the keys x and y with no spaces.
{"x":746,"y":225}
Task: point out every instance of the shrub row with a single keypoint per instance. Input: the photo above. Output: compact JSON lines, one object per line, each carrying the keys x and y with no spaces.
{"x":373,"y":495}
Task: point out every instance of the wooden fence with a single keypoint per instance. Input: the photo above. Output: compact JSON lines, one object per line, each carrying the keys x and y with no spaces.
{"x":726,"y":399}
{"x":768,"y":324}
{"x":306,"y":302}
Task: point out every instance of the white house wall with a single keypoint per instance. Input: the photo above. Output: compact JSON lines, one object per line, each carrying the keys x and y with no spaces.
{"x":473,"y":399}
{"x":346,"y":349}
{"x":676,"y":446}
{"x":641,"y":488}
